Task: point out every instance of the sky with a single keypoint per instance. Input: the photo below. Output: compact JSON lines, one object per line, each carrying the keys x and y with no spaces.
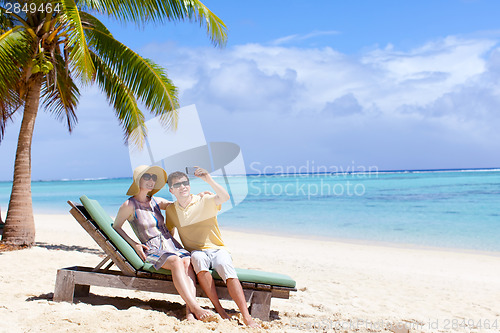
{"x":395,"y":85}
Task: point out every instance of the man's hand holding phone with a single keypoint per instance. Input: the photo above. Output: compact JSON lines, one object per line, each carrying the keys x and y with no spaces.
{"x":198,"y":172}
{"x":190,"y":170}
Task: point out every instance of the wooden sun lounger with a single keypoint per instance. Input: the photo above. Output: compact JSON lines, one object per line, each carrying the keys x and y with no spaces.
{"x":76,"y":281}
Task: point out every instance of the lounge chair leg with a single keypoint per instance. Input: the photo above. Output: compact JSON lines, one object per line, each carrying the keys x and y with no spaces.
{"x":82,"y":290}
{"x":260,"y":305}
{"x":65,"y":286}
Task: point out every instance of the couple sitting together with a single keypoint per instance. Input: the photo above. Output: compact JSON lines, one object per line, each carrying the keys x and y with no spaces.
{"x":195,"y":218}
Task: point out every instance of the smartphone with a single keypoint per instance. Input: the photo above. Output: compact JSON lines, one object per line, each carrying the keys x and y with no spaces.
{"x":190,"y":170}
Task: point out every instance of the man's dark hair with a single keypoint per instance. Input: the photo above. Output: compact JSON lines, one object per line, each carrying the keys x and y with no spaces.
{"x":175,"y":175}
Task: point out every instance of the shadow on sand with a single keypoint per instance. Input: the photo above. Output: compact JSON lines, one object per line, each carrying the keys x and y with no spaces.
{"x":124,"y":303}
{"x":174,"y":309}
{"x":62,"y":247}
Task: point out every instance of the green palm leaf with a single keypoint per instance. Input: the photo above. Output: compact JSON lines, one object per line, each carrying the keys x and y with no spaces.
{"x":79,"y":55}
{"x":15,"y":52}
{"x":146,"y":80}
{"x":216,"y":29}
{"x":161,"y":11}
{"x":123,"y":101}
{"x":89,"y":21}
{"x":60,"y":96}
{"x":6,"y":22}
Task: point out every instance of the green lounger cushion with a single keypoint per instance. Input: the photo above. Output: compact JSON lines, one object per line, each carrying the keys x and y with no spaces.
{"x":244,"y":275}
{"x":250,"y":275}
{"x":150,"y":268}
{"x":105,"y":222}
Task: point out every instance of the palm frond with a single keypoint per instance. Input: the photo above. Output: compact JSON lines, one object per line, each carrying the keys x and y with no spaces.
{"x":161,"y":11}
{"x":90,"y":21}
{"x":146,"y":80}
{"x":16,"y":18}
{"x":8,"y":106}
{"x":79,"y":53}
{"x":216,"y":29}
{"x":123,"y":101}
{"x":168,"y":116}
{"x":60,"y":96}
{"x":16,"y":50}
{"x":6,"y":22}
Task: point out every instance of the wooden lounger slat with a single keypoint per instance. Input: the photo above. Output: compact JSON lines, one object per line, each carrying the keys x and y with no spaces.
{"x":155,"y":276}
{"x":248,"y":285}
{"x":102,"y":241}
{"x":105,"y":260}
{"x":283,"y":288}
{"x":263,"y":286}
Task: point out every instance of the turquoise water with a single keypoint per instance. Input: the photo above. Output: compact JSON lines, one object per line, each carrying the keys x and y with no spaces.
{"x":444,"y":209}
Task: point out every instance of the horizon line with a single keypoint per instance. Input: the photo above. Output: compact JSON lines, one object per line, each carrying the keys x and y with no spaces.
{"x":390,"y":171}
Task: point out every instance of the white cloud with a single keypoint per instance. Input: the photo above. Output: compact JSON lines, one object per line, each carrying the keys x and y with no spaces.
{"x":423,"y":74}
{"x":434,"y":99}
{"x":306,"y":80}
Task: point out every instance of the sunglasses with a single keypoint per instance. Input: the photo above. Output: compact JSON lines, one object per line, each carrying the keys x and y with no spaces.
{"x":177,"y":185}
{"x":148,"y":176}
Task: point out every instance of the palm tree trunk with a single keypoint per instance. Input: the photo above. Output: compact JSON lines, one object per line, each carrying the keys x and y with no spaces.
{"x":20,"y":224}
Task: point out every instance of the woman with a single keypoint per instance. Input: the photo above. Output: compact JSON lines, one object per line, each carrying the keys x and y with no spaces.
{"x":157,"y":245}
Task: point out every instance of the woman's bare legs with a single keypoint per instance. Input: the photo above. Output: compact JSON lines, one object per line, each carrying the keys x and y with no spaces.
{"x":186,"y":261}
{"x":184,"y":285}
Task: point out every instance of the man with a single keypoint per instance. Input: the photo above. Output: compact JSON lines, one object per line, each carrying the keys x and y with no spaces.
{"x":195,"y":218}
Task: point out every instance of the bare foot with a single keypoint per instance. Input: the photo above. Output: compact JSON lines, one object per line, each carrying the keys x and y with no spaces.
{"x":250,"y":322}
{"x":220,"y":310}
{"x":190,"y":316}
{"x":205,"y":315}
{"x":223,"y":314}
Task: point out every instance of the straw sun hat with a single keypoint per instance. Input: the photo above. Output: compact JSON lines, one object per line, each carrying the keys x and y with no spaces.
{"x":154,"y":170}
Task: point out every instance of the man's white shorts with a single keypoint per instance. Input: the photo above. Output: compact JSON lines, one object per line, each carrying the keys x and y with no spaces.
{"x":218,"y":259}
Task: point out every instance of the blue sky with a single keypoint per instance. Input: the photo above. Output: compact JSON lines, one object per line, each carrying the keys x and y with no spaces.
{"x":391,"y":84}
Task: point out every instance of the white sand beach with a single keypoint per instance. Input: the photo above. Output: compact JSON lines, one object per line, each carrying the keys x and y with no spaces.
{"x":341,"y":287}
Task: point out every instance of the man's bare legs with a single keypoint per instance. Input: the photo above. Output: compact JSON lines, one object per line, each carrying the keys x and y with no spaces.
{"x":183,"y":283}
{"x":236,"y":292}
{"x":208,"y":285}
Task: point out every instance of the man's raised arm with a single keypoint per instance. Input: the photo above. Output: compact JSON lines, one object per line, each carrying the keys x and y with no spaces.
{"x":221,"y":194}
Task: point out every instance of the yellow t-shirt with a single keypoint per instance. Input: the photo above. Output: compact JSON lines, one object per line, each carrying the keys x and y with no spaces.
{"x":197,"y":223}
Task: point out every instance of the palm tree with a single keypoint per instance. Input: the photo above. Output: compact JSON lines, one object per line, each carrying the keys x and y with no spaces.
{"x":47,"y":47}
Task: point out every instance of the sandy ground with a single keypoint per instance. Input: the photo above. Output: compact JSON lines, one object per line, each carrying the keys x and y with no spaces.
{"x":341,"y":287}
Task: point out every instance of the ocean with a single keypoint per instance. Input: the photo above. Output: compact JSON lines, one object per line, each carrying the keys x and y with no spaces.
{"x":448,"y":209}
